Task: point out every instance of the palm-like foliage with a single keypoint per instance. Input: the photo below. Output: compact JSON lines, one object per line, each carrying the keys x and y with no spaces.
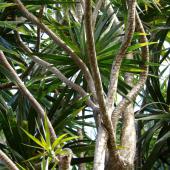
{"x":154,"y":128}
{"x":66,"y":110}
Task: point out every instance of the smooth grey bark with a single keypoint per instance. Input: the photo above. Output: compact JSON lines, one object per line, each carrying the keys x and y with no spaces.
{"x":100,"y":149}
{"x":115,"y":161}
{"x":123,"y":105}
{"x":92,"y":57}
{"x":105,"y":119}
{"x":99,"y":154}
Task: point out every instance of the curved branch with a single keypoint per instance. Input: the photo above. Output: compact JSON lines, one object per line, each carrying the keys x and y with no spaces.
{"x":59,"y":42}
{"x":4,"y":158}
{"x":143,"y":76}
{"x":117,"y":63}
{"x":26,"y":92}
{"x":56,"y":72}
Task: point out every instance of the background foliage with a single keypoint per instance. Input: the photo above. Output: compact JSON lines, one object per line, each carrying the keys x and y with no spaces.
{"x":66,"y":110}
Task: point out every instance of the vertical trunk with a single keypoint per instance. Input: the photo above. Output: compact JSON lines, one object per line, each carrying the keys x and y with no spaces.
{"x":127,"y":149}
{"x":128,"y":144}
{"x":100,"y":149}
{"x":128,"y":137}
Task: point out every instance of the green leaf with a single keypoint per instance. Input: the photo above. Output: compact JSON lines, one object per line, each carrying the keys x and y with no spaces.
{"x":10,"y":51}
{"x":139,"y":45}
{"x":44,"y":143}
{"x":58,"y":151}
{"x":155,"y":152}
{"x":36,"y":157}
{"x":46,"y":2}
{"x":58,"y":140}
{"x":34,"y":139}
{"x":21,"y":167}
{"x":119,"y":147}
{"x":47,"y":131}
{"x":154,"y":117}
{"x":32,"y":146}
{"x":43,"y":164}
{"x":10,"y":24}
{"x":5,"y":5}
{"x":140,"y":33}
{"x":69,"y":138}
{"x":131,"y":69}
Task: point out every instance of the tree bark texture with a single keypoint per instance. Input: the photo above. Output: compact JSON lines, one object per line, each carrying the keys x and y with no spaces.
{"x":7,"y":161}
{"x":107,"y":154}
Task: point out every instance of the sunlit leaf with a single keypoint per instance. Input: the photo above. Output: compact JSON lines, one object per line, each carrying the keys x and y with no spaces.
{"x":139,"y":45}
{"x":34,"y":139}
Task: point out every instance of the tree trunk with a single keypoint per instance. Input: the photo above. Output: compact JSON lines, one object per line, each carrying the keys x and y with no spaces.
{"x":100,"y":149}
{"x":65,"y":160}
{"x":127,"y":148}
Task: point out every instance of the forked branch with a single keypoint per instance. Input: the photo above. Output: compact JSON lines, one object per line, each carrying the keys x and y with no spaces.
{"x":107,"y":124}
{"x":118,"y":60}
{"x":143,"y":76}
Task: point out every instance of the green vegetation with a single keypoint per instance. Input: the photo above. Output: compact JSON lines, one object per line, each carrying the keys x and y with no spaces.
{"x":59,"y":82}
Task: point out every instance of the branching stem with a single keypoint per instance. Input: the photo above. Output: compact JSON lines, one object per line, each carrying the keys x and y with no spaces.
{"x":119,"y":57}
{"x":60,"y":43}
{"x":143,"y":76}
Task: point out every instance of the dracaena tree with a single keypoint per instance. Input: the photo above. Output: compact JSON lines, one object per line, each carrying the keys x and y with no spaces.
{"x":78,"y":56}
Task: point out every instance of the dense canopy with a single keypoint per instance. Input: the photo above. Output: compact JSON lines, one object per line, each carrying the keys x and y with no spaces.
{"x":84,"y":84}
